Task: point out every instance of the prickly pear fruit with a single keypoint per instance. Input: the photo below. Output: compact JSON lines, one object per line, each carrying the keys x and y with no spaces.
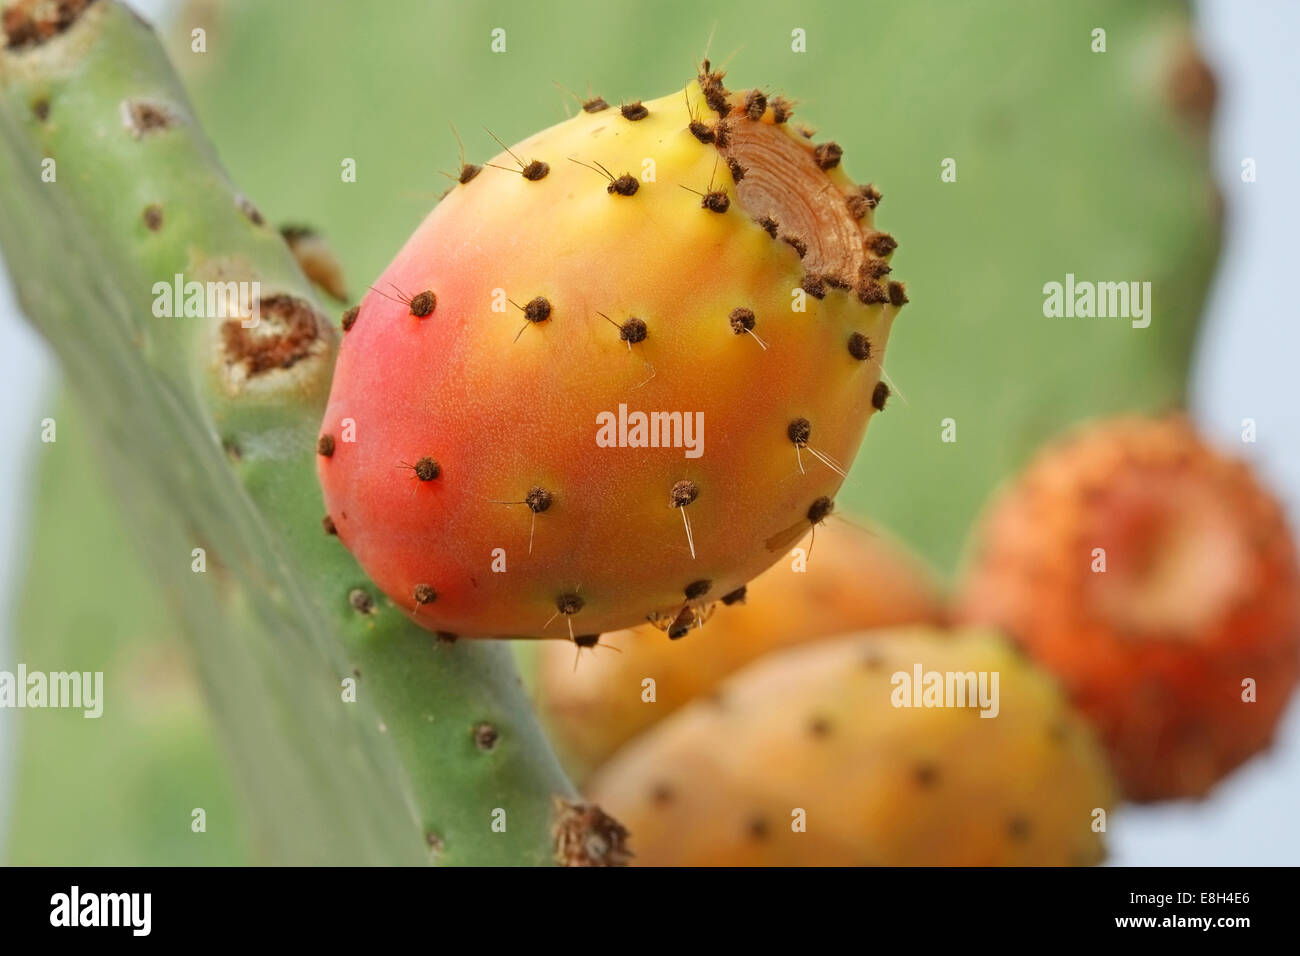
{"x":852,"y":580}
{"x":1154,"y":576}
{"x":685,"y":279}
{"x":811,"y":737}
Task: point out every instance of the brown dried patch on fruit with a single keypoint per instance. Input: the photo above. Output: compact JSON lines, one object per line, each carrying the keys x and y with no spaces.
{"x":781,"y":109}
{"x":819,"y":728}
{"x":325,"y":446}
{"x":799,"y":431}
{"x":755,"y":105}
{"x":424,"y":594}
{"x":467,"y":172}
{"x":586,"y":835}
{"x":897,"y":294}
{"x":769,"y":225}
{"x":427,"y":469}
{"x":786,"y":182}
{"x":586,"y":640}
{"x":737,"y":171}
{"x":879,"y":395}
{"x":926,"y":775}
{"x":29,"y":23}
{"x":327,"y":523}
{"x":595,"y":105}
{"x":445,"y":637}
{"x":316,"y":259}
{"x":350,"y":318}
{"x":636,"y":110}
{"x":153,"y":217}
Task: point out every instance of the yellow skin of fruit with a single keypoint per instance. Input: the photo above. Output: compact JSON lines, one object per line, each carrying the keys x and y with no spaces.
{"x":504,"y":405}
{"x":854,"y":580}
{"x":814,"y":728}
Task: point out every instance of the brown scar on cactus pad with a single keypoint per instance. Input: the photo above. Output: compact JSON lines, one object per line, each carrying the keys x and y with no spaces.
{"x":289,"y":332}
{"x":506,"y":418}
{"x":361,"y":601}
{"x":485,"y":736}
{"x":153,"y":217}
{"x":29,"y":23}
{"x":142,"y":117}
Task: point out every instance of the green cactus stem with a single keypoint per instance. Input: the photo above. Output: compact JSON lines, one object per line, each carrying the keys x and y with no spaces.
{"x":207,"y":429}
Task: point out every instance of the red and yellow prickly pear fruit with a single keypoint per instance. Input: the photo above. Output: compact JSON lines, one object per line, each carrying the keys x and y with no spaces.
{"x":853,"y":580}
{"x":1158,"y":580}
{"x":809,"y":758}
{"x":686,"y":280}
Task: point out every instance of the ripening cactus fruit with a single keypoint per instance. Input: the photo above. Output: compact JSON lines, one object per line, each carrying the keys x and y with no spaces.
{"x":1158,"y":579}
{"x":617,"y":372}
{"x":804,"y":759}
{"x":595,"y":700}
